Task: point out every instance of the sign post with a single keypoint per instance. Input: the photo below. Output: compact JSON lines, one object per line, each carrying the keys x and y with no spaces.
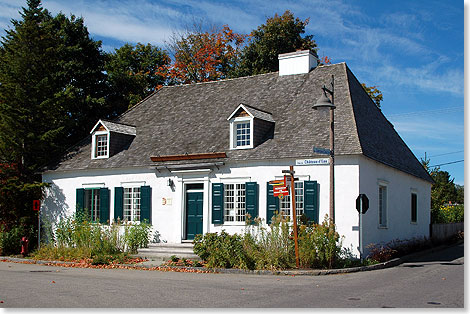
{"x":294,"y":214}
{"x":36,"y":207}
{"x":362,"y":205}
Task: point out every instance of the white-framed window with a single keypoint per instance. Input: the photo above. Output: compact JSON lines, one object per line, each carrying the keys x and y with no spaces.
{"x":234,"y":202}
{"x":285,"y":203}
{"x":241,"y":133}
{"x":100,"y":145}
{"x":414,"y":207}
{"x":131,"y":204}
{"x":92,"y":204}
{"x":383,"y":206}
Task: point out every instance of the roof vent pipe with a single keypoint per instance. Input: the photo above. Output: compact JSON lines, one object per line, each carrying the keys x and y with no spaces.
{"x":298,"y":62}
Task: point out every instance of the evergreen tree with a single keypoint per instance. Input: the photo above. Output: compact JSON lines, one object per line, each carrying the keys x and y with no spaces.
{"x":51,"y":86}
{"x":51,"y":94}
{"x":133,"y":74}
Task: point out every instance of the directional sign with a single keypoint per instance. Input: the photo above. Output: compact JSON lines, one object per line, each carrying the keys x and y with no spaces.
{"x":280,"y":190}
{"x":321,"y":151}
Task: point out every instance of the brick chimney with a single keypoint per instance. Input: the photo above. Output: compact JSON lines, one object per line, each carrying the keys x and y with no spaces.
{"x":298,"y":62}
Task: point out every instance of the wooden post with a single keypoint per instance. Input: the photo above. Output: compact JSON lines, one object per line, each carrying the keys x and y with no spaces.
{"x":294,"y":215}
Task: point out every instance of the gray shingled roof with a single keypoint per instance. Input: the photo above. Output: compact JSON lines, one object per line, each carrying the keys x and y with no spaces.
{"x":193,"y":119}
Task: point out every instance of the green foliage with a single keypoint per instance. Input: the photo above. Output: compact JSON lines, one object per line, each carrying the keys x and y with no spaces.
{"x":136,"y":236}
{"x":374,"y":93}
{"x":262,"y":247}
{"x":319,"y":245}
{"x":270,"y":248}
{"x":445,"y":194}
{"x":10,"y":239}
{"x":448,"y":214}
{"x":221,"y":250}
{"x":280,"y":34}
{"x":133,"y":73}
{"x":77,"y":238}
{"x":51,"y":93}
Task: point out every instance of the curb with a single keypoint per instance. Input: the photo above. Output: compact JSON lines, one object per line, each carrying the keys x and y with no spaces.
{"x":297,"y":272}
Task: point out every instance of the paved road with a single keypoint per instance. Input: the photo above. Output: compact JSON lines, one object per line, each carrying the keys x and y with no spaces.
{"x":435,"y":281}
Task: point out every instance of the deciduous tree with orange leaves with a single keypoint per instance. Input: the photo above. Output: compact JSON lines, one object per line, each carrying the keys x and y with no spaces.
{"x":202,"y":56}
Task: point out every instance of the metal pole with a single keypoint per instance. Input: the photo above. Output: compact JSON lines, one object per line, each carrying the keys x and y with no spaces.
{"x":39,"y":229}
{"x":332,"y":149}
{"x":360,"y":229}
{"x":294,"y":215}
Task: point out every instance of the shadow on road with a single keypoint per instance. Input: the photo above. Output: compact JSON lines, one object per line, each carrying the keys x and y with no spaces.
{"x":446,"y":256}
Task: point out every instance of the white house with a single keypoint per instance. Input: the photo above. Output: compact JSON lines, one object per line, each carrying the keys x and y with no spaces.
{"x":196,"y":158}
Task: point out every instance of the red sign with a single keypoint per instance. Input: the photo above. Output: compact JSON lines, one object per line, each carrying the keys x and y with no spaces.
{"x":280,"y":190}
{"x":36,"y":205}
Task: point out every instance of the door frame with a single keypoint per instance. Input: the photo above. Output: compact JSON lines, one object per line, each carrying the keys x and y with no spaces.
{"x":184,"y":236}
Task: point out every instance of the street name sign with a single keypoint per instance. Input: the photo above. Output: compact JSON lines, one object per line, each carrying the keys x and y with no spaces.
{"x":321,"y":151}
{"x":313,"y":161}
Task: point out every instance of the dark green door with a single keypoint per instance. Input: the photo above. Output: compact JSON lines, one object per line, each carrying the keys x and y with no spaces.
{"x":194,"y":202}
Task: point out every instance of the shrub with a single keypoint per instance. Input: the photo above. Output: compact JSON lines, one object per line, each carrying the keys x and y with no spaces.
{"x":76,"y":238}
{"x":136,"y":236}
{"x":448,"y":214}
{"x":10,"y":240}
{"x":222,"y":250}
{"x":271,"y":247}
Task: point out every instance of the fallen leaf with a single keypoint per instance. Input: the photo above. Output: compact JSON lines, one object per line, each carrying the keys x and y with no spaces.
{"x":444,"y":278}
{"x":53,"y":281}
{"x":242,"y":289}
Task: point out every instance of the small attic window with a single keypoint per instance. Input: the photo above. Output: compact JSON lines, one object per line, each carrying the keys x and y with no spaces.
{"x":100,"y":145}
{"x":243,"y":134}
{"x":243,"y":121}
{"x":109,"y":138}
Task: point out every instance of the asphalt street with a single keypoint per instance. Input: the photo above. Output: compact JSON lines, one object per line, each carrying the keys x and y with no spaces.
{"x":435,"y":280}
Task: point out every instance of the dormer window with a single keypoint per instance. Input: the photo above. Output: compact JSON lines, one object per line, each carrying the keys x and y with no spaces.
{"x":109,"y":138}
{"x":101,"y":145}
{"x":243,"y":134}
{"x":249,"y":127}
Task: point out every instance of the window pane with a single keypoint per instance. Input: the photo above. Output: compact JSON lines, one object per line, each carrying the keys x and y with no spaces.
{"x":101,"y":145}
{"x":243,"y":134}
{"x":132,"y":204}
{"x":234,"y":202}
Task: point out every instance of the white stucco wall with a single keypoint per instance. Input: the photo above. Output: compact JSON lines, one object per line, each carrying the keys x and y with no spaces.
{"x":169,"y":219}
{"x":400,"y":185}
{"x":353,"y":175}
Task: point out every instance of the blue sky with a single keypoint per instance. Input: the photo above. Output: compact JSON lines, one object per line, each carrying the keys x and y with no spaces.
{"x":412,"y":50}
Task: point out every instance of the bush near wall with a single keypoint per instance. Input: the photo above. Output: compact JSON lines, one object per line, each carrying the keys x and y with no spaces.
{"x":77,"y":238}
{"x":272,"y":247}
{"x":447,"y":214}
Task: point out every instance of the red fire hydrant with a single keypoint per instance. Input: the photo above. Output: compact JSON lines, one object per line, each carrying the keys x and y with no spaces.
{"x":24,"y":246}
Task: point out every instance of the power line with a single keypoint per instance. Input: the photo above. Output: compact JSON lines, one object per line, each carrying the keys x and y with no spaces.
{"x":447,"y":163}
{"x":459,"y":151}
{"x":448,"y":109}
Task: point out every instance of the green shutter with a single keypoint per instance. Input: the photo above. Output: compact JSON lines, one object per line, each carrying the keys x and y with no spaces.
{"x":145,"y":204}
{"x":118,"y":203}
{"x":311,"y":200}
{"x":80,"y":201}
{"x":217,"y":203}
{"x":251,"y":199}
{"x":272,"y":203}
{"x":104,"y":206}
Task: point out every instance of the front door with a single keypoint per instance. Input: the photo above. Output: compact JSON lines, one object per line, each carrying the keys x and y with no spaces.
{"x":194,"y":204}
